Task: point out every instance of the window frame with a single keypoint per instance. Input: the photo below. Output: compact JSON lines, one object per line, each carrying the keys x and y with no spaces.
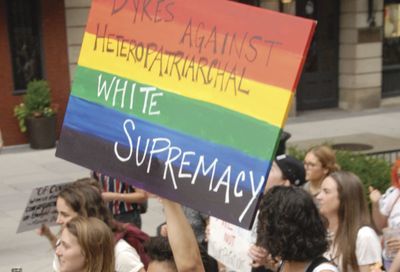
{"x":34,"y":28}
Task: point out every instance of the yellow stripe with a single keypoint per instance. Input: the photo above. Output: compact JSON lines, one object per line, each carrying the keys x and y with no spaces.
{"x":264,"y":102}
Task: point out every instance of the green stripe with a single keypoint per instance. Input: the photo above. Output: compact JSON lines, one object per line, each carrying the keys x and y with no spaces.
{"x":199,"y":119}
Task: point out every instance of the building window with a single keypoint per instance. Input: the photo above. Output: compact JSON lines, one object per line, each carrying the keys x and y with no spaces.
{"x":25,"y":42}
{"x":391,"y":43}
{"x":285,"y":6}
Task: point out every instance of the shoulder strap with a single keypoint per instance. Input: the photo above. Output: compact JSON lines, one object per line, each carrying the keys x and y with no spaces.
{"x":280,"y":267}
{"x":317,"y":261}
{"x":394,"y":203}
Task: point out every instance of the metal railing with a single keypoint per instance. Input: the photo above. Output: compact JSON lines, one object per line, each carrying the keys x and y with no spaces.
{"x":389,"y":155}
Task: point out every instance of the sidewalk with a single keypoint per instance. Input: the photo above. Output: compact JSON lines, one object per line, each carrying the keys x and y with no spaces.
{"x":22,"y":169}
{"x":379,"y":128}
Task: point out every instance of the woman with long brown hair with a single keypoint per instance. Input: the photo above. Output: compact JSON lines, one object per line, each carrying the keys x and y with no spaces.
{"x":86,"y":245}
{"x":355,"y":246}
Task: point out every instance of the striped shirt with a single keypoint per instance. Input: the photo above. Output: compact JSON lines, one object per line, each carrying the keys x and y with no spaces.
{"x":110,"y":184}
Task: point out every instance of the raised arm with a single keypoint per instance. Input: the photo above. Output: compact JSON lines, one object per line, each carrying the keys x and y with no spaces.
{"x":379,"y":219}
{"x":45,"y":231}
{"x":139,"y":196}
{"x":395,"y":267}
{"x":181,"y":239}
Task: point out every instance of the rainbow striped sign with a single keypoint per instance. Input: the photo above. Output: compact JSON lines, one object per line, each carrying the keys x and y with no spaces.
{"x":185,"y":99}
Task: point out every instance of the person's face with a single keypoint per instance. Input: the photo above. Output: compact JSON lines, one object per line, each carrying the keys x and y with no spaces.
{"x":69,"y":253}
{"x":64,"y":212}
{"x":313,"y":167}
{"x":328,"y":198}
{"x":275,"y":177}
{"x":165,"y":266}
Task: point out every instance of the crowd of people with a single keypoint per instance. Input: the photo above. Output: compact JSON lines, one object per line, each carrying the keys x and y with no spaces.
{"x":312,"y":217}
{"x":112,"y":245}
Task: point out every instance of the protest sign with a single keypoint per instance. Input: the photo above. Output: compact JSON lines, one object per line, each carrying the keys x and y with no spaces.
{"x":185,"y":99}
{"x":230,"y":244}
{"x":41,"y":208}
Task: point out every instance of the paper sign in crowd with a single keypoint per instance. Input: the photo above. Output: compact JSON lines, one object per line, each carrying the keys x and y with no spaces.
{"x":185,"y":99}
{"x":230,"y":245}
{"x":41,"y":208}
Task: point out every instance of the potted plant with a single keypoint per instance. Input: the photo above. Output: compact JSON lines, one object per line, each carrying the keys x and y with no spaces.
{"x":37,"y":115}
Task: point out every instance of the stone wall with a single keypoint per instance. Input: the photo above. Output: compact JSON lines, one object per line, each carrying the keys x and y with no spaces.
{"x":360,"y":55}
{"x":76,"y":13}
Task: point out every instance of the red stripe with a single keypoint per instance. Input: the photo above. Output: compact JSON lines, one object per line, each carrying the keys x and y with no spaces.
{"x":284,"y":59}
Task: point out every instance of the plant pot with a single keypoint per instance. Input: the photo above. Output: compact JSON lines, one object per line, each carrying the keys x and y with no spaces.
{"x":41,"y":132}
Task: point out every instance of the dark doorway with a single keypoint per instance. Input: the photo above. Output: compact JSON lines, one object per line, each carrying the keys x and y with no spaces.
{"x":318,"y":86}
{"x":249,"y":2}
{"x":391,"y":50}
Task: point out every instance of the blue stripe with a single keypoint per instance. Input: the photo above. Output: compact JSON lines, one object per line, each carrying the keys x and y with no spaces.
{"x":98,"y":121}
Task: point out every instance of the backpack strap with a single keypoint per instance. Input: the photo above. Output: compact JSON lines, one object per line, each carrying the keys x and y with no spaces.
{"x":317,"y":261}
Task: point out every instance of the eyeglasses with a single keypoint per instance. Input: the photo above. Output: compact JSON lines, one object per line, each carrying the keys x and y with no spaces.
{"x":310,"y":164}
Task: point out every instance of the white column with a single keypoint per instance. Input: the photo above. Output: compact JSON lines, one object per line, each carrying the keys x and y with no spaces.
{"x":360,"y":55}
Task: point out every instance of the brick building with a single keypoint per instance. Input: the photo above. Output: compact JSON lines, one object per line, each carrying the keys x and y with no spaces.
{"x":353,"y":62}
{"x":33,"y":44}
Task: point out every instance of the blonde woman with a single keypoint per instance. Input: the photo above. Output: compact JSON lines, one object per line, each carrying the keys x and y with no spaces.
{"x":86,"y":245}
{"x":319,"y":162}
{"x":355,"y":246}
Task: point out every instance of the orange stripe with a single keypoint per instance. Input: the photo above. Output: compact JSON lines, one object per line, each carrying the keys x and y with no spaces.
{"x":284,"y":59}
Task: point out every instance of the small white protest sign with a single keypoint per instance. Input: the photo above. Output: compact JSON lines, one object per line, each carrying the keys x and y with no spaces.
{"x":230,"y":244}
{"x":41,"y":207}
